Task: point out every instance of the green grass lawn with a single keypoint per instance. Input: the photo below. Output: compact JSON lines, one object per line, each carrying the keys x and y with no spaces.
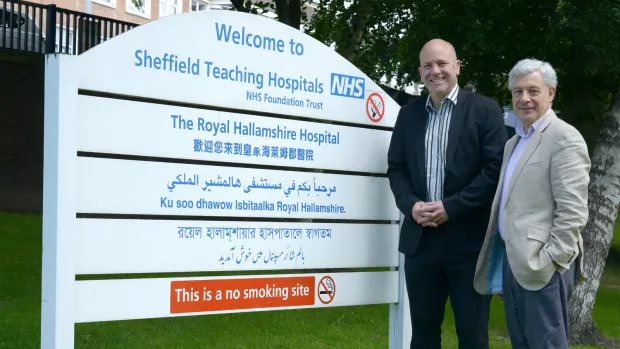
{"x":345,"y":327}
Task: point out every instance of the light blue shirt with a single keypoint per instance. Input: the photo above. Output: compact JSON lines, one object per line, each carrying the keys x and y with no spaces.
{"x":524,"y":138}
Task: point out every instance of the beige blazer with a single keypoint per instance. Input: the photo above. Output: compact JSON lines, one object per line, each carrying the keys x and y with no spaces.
{"x":545,"y":208}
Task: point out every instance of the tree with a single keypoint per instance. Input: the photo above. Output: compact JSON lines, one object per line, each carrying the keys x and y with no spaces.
{"x":603,"y":201}
{"x":289,"y":12}
{"x":591,"y":102}
{"x":364,"y":32}
{"x":345,"y":24}
{"x":579,"y":38}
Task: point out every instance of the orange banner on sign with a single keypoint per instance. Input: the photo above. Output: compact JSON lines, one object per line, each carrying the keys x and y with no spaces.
{"x":236,"y":294}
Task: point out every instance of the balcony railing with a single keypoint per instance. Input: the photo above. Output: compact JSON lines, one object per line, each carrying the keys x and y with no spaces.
{"x":40,"y":28}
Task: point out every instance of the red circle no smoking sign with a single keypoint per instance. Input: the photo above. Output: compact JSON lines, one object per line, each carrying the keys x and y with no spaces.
{"x":327,"y":289}
{"x":375,"y":107}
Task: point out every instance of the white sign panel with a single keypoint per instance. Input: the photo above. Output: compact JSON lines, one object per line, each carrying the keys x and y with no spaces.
{"x":108,"y":246}
{"x":137,"y":187}
{"x":177,"y":132}
{"x":236,"y":60}
{"x":109,"y":300}
{"x":242,"y":93}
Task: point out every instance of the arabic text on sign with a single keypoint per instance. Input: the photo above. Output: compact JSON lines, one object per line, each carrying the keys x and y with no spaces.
{"x":247,"y":255}
{"x":261,"y":183}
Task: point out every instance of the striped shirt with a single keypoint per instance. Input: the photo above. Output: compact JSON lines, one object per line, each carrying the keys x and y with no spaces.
{"x":436,"y":141}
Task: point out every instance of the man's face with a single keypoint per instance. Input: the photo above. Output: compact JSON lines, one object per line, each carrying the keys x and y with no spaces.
{"x":439,"y":68}
{"x":531,"y":97}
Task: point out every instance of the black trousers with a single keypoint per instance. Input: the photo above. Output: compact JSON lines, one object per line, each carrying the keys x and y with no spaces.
{"x":438,"y":271}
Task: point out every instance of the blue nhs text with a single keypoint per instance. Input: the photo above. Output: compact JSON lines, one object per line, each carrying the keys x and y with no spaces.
{"x":347,"y":86}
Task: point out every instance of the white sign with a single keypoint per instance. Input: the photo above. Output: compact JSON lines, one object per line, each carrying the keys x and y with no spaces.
{"x":243,"y":144}
{"x":137,"y":187}
{"x":234,"y":60}
{"x":109,"y":246}
{"x":167,"y":131}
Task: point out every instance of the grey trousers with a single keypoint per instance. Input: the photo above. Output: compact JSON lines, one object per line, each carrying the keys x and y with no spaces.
{"x":538,"y":319}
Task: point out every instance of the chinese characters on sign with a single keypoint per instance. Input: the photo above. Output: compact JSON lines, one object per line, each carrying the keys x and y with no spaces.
{"x":246,"y":149}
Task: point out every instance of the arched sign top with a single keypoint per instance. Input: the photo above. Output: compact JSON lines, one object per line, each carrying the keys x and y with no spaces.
{"x":235,"y":60}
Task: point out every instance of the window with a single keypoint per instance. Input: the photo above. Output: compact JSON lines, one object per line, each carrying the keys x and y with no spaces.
{"x":199,"y":5}
{"x":109,"y":3}
{"x":169,"y":7}
{"x":221,"y":5}
{"x":145,"y":11}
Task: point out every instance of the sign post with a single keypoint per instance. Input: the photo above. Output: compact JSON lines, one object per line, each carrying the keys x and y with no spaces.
{"x":59,"y":223}
{"x":258,"y":149}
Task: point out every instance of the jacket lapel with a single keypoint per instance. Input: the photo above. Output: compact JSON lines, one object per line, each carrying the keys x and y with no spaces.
{"x":419,"y":135}
{"x":457,"y":120}
{"x":508,"y":149}
{"x":532,"y":144}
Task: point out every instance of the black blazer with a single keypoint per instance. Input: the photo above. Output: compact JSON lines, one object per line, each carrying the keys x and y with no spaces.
{"x":474,"y":155}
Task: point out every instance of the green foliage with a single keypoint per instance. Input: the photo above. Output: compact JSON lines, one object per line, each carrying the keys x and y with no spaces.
{"x":364,"y":32}
{"x":579,"y":38}
{"x":289,"y":12}
{"x":257,"y":8}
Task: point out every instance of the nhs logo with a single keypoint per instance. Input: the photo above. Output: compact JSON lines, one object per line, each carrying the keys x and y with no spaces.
{"x":347,"y":86}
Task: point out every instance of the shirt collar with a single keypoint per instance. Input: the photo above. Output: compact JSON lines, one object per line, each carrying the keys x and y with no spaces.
{"x":530,"y":131}
{"x":452,"y":96}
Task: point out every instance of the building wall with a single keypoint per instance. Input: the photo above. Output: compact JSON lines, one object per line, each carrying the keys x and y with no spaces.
{"x":118,"y":9}
{"x":97,"y":8}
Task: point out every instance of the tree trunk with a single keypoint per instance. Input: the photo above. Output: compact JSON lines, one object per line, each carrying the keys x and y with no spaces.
{"x":359,"y":23}
{"x":603,"y":201}
{"x":289,"y":12}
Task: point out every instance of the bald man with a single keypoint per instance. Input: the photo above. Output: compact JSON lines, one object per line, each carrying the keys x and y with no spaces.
{"x":444,"y":163}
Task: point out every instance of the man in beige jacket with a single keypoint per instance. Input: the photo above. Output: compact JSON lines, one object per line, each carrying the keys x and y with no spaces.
{"x":533,"y":241}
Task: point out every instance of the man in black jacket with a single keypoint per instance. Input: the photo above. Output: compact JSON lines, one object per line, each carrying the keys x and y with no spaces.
{"x":444,"y":162}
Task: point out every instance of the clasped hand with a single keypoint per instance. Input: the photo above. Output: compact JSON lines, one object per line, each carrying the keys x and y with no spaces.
{"x":429,"y":214}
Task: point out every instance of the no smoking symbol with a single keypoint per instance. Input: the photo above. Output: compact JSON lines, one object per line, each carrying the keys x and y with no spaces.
{"x":327,"y":290}
{"x":375,"y":107}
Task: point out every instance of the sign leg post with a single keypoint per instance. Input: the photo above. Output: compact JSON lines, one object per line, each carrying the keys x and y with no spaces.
{"x":400,"y":317}
{"x":59,"y":154}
